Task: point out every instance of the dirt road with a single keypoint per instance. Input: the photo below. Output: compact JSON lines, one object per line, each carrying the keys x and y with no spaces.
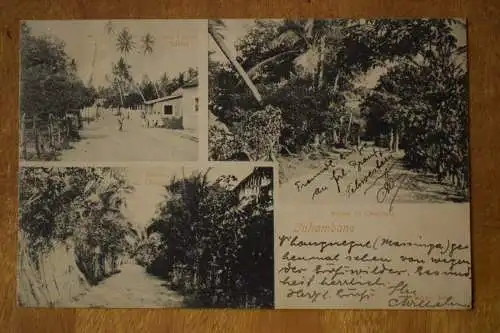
{"x":360,"y":178}
{"x":131,"y":288}
{"x":103,"y":142}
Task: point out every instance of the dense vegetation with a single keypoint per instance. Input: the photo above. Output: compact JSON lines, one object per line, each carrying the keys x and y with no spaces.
{"x":78,"y":204}
{"x":212,"y":242}
{"x":49,"y":81}
{"x":313,"y":71}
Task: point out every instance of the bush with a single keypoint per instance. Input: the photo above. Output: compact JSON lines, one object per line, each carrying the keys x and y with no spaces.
{"x":217,"y":249}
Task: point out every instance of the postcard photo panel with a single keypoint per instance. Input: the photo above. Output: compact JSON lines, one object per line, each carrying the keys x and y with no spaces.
{"x":104,"y":90}
{"x":147,"y":237}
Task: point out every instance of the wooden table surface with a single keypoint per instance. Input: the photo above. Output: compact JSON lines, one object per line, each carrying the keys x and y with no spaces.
{"x":484,"y":54}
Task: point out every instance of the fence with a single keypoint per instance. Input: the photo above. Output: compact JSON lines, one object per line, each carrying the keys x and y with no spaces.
{"x":43,"y":136}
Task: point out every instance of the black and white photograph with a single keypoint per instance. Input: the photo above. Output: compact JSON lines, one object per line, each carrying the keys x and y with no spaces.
{"x":373,"y":110}
{"x":119,"y":90}
{"x":146,"y":237}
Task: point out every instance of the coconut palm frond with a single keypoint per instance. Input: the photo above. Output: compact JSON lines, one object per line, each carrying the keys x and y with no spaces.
{"x":461,"y":50}
{"x":148,"y":42}
{"x":125,"y":42}
{"x":309,"y":27}
{"x":258,"y":67}
{"x":217,"y":27}
{"x":289,"y":37}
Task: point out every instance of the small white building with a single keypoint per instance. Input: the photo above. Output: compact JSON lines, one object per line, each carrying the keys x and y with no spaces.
{"x":177,"y":111}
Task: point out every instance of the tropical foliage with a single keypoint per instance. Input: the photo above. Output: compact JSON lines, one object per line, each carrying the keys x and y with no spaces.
{"x":49,"y":81}
{"x":214,"y":240}
{"x":81,"y":204}
{"x":315,"y":73}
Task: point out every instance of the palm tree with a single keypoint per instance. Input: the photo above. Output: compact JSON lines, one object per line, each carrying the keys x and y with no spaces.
{"x":91,"y":75}
{"x":303,"y":42}
{"x":121,"y":76}
{"x":125,"y":44}
{"x":147,"y":42}
{"x":147,"y":45}
{"x":164,"y":83}
{"x":215,"y":28}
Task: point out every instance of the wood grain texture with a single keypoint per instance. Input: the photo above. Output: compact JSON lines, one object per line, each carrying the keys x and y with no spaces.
{"x":484,"y":54}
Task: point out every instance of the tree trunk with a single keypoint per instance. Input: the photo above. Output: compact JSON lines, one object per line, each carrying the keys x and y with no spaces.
{"x":51,"y":131}
{"x":348,"y":133}
{"x":396,"y":142}
{"x":156,"y":89}
{"x":138,"y":90}
{"x":336,"y":82}
{"x":391,"y":140}
{"x":37,"y":139}
{"x":335,"y":136}
{"x":321,"y":62}
{"x":316,"y":142}
{"x":223,"y":47}
{"x":121,"y":96}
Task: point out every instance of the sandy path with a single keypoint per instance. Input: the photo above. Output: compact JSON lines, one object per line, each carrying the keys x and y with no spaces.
{"x":399,"y":185}
{"x":102,"y":142}
{"x":131,"y":288}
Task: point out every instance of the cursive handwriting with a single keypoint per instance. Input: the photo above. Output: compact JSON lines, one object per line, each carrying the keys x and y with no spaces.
{"x":360,"y":182}
{"x":360,"y":296}
{"x":390,"y":184}
{"x":358,"y":164}
{"x":312,"y":295}
{"x":348,"y":271}
{"x":300,"y":185}
{"x":411,"y":301}
{"x":448,"y":248}
{"x":295,"y":241}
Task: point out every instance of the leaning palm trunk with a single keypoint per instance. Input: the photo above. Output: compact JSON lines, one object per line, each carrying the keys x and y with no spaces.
{"x":223,"y":47}
{"x":121,"y":95}
{"x":156,"y":89}
{"x":138,"y":90}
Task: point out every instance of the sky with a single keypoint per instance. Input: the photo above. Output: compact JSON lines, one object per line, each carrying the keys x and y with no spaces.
{"x":149,"y":185}
{"x":176,"y":45}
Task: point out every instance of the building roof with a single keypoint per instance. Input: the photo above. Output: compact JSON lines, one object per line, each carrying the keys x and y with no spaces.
{"x":162,"y":99}
{"x":255,"y":179}
{"x":176,"y":94}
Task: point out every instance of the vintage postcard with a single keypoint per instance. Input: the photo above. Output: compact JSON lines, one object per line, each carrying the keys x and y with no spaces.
{"x":256,"y":163}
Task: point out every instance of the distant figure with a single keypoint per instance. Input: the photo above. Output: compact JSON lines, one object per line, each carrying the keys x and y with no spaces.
{"x":120,"y":118}
{"x":144,"y":118}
